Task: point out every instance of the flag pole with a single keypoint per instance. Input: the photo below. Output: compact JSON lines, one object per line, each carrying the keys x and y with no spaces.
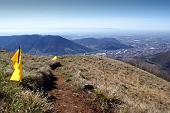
{"x":19,"y":54}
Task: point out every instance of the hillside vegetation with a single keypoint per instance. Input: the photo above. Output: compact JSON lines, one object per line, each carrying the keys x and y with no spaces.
{"x":111,"y":86}
{"x":158,"y":64}
{"x":27,"y":96}
{"x":129,"y":89}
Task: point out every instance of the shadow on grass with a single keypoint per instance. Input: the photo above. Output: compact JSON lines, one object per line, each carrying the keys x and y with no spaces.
{"x":55,"y":65}
{"x":44,"y":83}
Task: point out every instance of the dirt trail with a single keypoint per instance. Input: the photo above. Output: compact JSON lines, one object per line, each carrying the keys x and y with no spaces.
{"x":68,"y":101}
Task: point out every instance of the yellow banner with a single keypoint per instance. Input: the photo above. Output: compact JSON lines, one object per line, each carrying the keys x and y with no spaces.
{"x":17,"y":64}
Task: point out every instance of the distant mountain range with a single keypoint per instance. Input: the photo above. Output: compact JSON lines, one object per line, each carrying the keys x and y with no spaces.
{"x":39,"y":44}
{"x":102,"y":43}
{"x":57,"y":45}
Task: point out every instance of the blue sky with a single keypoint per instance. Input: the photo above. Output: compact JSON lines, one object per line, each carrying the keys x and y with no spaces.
{"x":49,"y":15}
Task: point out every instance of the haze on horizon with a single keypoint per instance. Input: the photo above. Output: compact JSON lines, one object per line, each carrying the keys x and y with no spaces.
{"x":29,"y":16}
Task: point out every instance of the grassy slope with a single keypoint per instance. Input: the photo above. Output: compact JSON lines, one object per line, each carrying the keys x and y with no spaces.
{"x":138,"y":90}
{"x":16,"y":97}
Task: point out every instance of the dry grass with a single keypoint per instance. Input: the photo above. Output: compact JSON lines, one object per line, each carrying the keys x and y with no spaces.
{"x":13,"y":97}
{"x":121,"y":88}
{"x":138,"y":90}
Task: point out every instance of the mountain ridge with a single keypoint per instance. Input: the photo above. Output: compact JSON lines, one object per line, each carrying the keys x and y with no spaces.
{"x":102,"y":43}
{"x":42,"y":44}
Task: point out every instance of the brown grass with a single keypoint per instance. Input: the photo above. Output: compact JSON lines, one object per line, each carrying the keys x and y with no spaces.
{"x":13,"y":97}
{"x":121,"y":88}
{"x":138,"y":90}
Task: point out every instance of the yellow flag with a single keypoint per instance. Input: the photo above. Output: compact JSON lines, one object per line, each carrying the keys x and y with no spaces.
{"x":17,"y":63}
{"x":55,"y":58}
{"x":17,"y":74}
{"x":16,"y":57}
